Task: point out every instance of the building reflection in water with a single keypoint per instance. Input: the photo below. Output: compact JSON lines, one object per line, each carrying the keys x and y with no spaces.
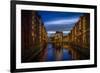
{"x":37,"y":46}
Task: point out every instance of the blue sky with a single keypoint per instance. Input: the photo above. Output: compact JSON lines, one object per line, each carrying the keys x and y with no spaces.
{"x":59,"y":21}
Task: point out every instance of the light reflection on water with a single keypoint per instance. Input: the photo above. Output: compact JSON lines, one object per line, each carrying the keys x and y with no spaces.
{"x":52,"y":54}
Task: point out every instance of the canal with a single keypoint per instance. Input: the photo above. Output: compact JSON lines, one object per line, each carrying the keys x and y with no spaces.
{"x":54,"y":54}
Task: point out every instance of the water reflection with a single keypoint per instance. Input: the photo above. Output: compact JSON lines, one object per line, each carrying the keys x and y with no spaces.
{"x":57,"y":54}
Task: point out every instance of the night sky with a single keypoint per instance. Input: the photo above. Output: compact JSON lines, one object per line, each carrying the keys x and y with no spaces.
{"x":59,"y":21}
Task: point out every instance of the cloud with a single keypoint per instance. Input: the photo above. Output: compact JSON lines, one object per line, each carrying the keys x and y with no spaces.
{"x":62,"y":21}
{"x":51,"y":33}
{"x":59,"y":27}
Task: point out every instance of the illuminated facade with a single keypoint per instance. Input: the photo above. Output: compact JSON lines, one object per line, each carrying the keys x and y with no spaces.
{"x":58,"y":37}
{"x":80,"y":37}
{"x":34,"y":36}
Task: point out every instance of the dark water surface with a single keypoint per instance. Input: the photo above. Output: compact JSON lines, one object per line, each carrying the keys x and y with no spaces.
{"x":52,"y":55}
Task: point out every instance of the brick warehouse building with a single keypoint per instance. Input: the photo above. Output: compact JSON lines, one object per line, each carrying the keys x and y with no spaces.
{"x":33,"y":36}
{"x":79,"y":37}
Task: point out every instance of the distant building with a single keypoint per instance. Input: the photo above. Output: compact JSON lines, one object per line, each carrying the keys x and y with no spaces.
{"x":58,"y":39}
